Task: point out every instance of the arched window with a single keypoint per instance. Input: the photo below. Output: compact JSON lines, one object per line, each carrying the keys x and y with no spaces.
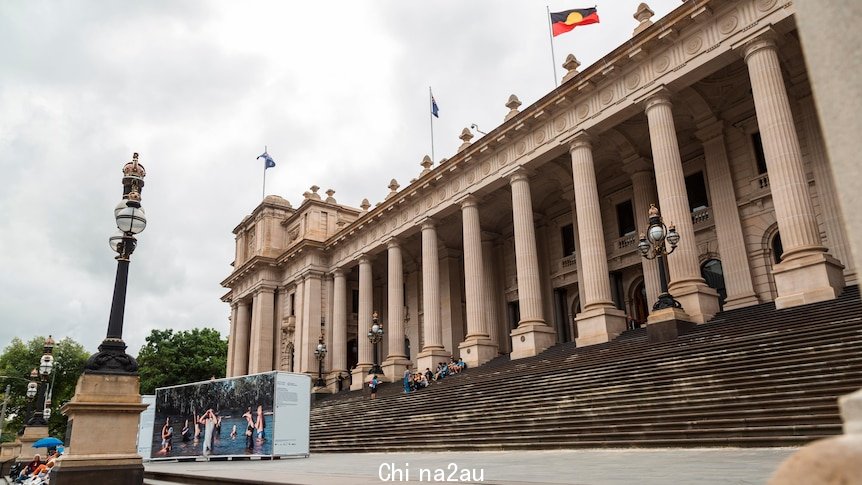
{"x":714,"y":276}
{"x":777,"y":248}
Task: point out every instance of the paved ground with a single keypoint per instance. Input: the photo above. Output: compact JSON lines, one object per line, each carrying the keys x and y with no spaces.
{"x":581,"y":467}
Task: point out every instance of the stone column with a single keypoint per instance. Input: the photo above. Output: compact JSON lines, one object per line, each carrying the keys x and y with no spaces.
{"x":311,"y":318}
{"x":833,"y":218}
{"x":263,"y":314}
{"x":806,"y":273}
{"x":396,"y":362}
{"x":599,"y":321}
{"x":339,"y":325}
{"x":432,"y":328}
{"x":728,"y":228}
{"x":699,"y":301}
{"x":231,"y":341}
{"x":533,"y":335}
{"x":477,"y":347}
{"x":366,"y":302}
{"x":491,"y":294}
{"x":643,"y":192}
{"x":298,"y":327}
{"x":241,"y":343}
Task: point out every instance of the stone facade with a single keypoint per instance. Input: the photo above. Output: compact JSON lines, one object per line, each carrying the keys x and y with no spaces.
{"x":528,"y":235}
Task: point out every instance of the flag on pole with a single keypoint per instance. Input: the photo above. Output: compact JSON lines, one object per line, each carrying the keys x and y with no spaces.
{"x":434,"y":109}
{"x":267,"y":160}
{"x":562,"y":22}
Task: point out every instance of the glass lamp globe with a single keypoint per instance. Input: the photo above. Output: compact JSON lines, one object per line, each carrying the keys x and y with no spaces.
{"x":655,"y":233}
{"x":46,"y":413}
{"x":375,"y":328}
{"x":643,"y":245}
{"x":672,"y":236}
{"x":131,"y":220}
{"x":46,"y":365}
{"x":115,"y":240}
{"x":31,"y":390}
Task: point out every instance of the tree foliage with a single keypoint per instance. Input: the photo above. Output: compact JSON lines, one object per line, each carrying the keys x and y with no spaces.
{"x":18,"y":359}
{"x":171,"y":358}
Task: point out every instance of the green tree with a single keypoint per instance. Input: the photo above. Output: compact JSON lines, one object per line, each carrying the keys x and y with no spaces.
{"x":18,"y":359}
{"x":171,"y":358}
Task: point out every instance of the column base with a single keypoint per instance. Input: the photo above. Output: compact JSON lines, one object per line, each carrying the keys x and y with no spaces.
{"x":699,"y":301}
{"x":429,"y":358}
{"x":667,"y":324}
{"x":741,"y":301}
{"x":32,"y":434}
{"x":475,"y":351}
{"x":394,"y":367}
{"x":531,"y":339}
{"x":359,"y":377}
{"x":89,"y":469}
{"x":599,"y":325}
{"x":808,"y":278}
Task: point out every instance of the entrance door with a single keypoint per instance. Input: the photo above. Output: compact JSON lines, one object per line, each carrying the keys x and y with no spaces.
{"x":514,"y":314}
{"x":640,"y":306}
{"x":714,"y":276}
{"x":561,"y":316}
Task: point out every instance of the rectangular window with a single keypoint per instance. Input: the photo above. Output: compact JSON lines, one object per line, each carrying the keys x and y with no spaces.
{"x":758,"y":153}
{"x":293,"y":304}
{"x":695,"y":188}
{"x":567,"y":235}
{"x":324,"y":221}
{"x":626,"y":218}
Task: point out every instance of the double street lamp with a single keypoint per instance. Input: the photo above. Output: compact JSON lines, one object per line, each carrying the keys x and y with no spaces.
{"x":111,"y":357}
{"x":320,"y":353}
{"x":375,"y":336}
{"x":652,"y":246}
{"x":46,"y":366}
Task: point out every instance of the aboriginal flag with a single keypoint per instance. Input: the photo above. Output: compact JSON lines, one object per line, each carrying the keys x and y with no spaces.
{"x":564,"y":21}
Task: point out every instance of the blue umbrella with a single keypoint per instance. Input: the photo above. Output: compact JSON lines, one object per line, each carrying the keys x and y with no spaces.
{"x":48,"y":442}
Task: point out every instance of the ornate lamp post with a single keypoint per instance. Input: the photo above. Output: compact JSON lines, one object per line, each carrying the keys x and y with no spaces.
{"x":320,"y":353}
{"x":112,"y":357}
{"x":652,"y":246}
{"x":46,"y":366}
{"x":375,"y":335}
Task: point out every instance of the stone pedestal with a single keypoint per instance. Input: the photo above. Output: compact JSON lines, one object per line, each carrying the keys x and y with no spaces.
{"x":699,"y":301}
{"x":429,"y":358}
{"x":668,"y":324}
{"x":531,"y":339}
{"x":599,"y":325}
{"x":477,"y":351}
{"x":359,"y":377}
{"x":807,"y":279}
{"x":31,"y":435}
{"x":103,"y":417}
{"x":393,"y":369}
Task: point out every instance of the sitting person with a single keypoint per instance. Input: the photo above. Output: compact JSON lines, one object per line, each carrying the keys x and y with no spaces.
{"x":423,"y":381}
{"x":429,"y":376}
{"x":28,"y":470}
{"x":40,"y":474}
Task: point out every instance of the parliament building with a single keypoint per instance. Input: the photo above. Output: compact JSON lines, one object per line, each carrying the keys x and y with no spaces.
{"x":528,"y":236}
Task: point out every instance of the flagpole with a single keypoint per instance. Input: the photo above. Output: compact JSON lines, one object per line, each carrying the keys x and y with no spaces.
{"x":263,"y":191}
{"x":431,"y":117}
{"x":551,"y":37}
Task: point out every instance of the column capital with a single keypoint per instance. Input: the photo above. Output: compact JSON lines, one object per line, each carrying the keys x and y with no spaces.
{"x":469,"y":201}
{"x":764,"y":40}
{"x":311,"y":273}
{"x":338,"y":272}
{"x":636,"y":163}
{"x":489,"y":236}
{"x":660,"y":97}
{"x":393,"y":242}
{"x":581,"y":139}
{"x":428,"y":223}
{"x":364,"y":258}
{"x":521,"y":174}
{"x":710,"y":131}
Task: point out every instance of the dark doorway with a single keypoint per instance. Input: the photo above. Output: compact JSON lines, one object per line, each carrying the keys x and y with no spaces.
{"x":640,"y":305}
{"x":714,"y":276}
{"x":514,"y":314}
{"x":352,"y":353}
{"x":561,"y":316}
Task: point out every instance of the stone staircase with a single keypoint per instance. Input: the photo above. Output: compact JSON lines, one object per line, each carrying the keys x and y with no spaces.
{"x":751,"y":377}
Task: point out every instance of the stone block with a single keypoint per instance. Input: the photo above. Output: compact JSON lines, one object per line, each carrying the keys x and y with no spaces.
{"x":807,"y":279}
{"x":531,"y":339}
{"x":599,"y":325}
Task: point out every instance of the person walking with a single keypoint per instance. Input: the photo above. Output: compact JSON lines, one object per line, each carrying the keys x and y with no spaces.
{"x":373,"y":385}
{"x":407,"y":376}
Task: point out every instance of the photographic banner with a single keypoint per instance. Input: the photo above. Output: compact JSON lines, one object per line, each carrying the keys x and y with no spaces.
{"x":257,"y":415}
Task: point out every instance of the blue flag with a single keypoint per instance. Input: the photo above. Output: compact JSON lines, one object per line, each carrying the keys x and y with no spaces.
{"x":268,"y":161}
{"x":434,"y":109}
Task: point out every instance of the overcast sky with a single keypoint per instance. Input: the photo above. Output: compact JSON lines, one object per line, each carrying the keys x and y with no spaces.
{"x":337,"y":91}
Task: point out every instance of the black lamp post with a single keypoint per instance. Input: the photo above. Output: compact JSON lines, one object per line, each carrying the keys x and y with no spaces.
{"x":111,"y":357}
{"x":652,"y":246}
{"x":320,"y":353}
{"x":46,"y":365}
{"x":375,"y":335}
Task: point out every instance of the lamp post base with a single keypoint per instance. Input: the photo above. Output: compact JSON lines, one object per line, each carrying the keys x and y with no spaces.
{"x":32,"y":433}
{"x":668,"y":324}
